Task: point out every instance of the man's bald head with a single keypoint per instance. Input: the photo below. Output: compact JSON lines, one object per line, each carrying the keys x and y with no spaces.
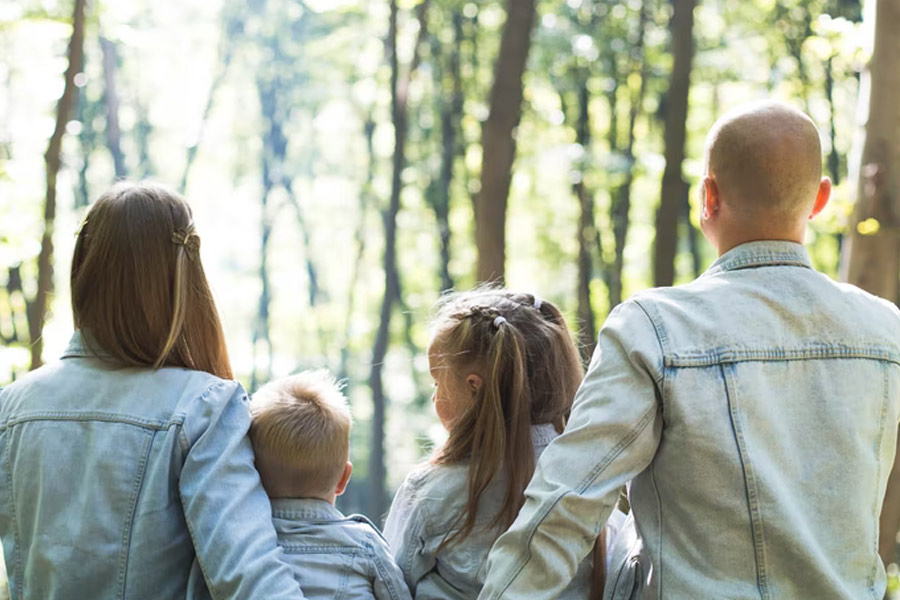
{"x":766,"y":160}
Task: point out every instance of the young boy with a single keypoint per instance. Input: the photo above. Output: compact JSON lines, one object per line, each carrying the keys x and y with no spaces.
{"x":301,"y":438}
{"x":754,"y":410}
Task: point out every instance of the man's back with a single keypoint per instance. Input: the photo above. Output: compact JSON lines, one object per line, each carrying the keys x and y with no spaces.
{"x":780,"y":399}
{"x":756,"y":411}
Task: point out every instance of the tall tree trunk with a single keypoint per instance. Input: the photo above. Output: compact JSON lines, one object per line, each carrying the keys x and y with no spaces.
{"x":399,"y":97}
{"x":37,"y":308}
{"x":498,"y":141}
{"x":873,"y":261}
{"x":111,"y":97}
{"x":273,"y":142}
{"x":451,"y":117}
{"x":674,"y":187}
{"x":587,"y":230}
{"x":365,"y":199}
{"x":834,"y":158}
{"x":620,"y":205}
{"x":85,"y":113}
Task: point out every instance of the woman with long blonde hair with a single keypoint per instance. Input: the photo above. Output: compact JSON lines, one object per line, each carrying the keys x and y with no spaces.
{"x":126,"y":468}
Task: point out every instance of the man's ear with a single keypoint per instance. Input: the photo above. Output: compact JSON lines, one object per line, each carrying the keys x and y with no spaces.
{"x":822,"y":197}
{"x":345,"y":479}
{"x":711,"y":200}
{"x":475,"y":382}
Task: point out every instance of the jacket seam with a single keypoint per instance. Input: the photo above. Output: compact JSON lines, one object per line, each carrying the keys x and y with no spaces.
{"x":659,"y":537}
{"x":382,"y":573}
{"x":756,"y":529}
{"x":881,"y":426}
{"x":661,"y":337}
{"x":19,"y":570}
{"x":151,"y":424}
{"x":718,"y":357}
{"x":129,"y":519}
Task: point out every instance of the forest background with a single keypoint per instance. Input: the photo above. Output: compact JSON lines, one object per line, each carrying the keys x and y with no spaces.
{"x":348,"y":160}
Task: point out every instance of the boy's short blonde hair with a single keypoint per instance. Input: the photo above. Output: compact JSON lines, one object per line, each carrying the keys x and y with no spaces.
{"x":301,"y":434}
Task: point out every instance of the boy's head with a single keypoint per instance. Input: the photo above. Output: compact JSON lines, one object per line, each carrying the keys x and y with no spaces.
{"x":763,"y":175}
{"x":301,"y":436}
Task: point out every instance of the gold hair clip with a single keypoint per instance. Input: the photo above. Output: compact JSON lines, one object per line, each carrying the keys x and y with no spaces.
{"x":187,"y":238}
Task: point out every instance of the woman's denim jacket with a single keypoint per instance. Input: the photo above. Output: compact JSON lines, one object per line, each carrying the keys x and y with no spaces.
{"x":755,"y":412}
{"x":115,"y":480}
{"x":424,"y":512}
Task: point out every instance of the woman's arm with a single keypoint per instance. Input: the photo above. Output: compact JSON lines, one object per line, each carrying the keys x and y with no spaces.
{"x":227,"y":512}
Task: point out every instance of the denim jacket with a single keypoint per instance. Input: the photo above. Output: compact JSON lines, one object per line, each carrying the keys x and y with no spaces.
{"x":336,"y":557}
{"x":755,"y":412}
{"x":115,"y":482}
{"x":424,"y":511}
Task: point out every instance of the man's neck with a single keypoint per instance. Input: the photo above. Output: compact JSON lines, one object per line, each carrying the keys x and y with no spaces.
{"x":725,"y":244}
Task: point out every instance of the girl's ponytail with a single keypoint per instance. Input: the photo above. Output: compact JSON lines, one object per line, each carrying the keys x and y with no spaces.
{"x":520,"y":347}
{"x":497,"y":430}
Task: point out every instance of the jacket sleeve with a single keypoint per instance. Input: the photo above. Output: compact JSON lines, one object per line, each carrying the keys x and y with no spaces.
{"x":389,"y":583}
{"x":226,"y":509}
{"x":612,"y":435}
{"x":404,"y":530}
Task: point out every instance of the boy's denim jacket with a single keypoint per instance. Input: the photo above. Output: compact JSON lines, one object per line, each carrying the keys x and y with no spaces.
{"x":336,"y":557}
{"x":115,"y":480}
{"x":424,"y":512}
{"x":755,"y":412}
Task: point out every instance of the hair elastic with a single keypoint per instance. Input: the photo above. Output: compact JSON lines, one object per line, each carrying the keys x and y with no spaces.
{"x":537,"y":303}
{"x":498,"y":321}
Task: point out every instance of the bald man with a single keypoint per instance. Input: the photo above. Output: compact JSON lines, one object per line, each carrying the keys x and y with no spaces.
{"x":754,"y":411}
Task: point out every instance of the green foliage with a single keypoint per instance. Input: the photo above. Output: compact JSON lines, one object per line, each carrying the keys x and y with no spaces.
{"x":300,"y":87}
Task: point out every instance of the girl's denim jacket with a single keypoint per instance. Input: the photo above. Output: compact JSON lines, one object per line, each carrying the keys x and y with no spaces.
{"x":120,"y":483}
{"x":755,"y":413}
{"x":423,"y":513}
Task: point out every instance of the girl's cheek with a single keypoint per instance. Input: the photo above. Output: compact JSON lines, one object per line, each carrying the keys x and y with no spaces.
{"x":444,"y":411}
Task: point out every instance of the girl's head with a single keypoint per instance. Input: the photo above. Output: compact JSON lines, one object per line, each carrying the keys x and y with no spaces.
{"x":502,"y":361}
{"x":138,"y":287}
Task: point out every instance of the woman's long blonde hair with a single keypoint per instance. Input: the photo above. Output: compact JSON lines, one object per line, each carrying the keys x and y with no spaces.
{"x":139,"y":293}
{"x":531,"y":370}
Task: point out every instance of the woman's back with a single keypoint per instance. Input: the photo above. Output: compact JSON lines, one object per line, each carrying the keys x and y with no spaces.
{"x":106,"y":471}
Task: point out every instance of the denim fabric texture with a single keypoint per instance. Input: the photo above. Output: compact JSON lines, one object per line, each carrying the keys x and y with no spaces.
{"x":116,"y":481}
{"x":334,"y":557}
{"x":424,"y":512}
{"x":754,"y":412}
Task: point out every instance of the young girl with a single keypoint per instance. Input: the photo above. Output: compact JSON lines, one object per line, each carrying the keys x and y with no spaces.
{"x":505,"y":371}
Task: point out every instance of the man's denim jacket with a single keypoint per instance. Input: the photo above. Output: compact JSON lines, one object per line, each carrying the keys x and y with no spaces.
{"x":424,"y":512}
{"x":116,"y":482}
{"x":336,"y":557}
{"x":755,"y":413}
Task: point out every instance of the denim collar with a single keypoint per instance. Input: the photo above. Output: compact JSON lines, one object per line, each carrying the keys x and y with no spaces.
{"x":305,"y":509}
{"x":542,"y":435}
{"x":80,"y":346}
{"x":765,"y":253}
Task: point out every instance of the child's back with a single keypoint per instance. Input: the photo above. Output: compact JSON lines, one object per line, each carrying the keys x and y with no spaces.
{"x":425,"y":511}
{"x":333,"y":556}
{"x":301,"y":438}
